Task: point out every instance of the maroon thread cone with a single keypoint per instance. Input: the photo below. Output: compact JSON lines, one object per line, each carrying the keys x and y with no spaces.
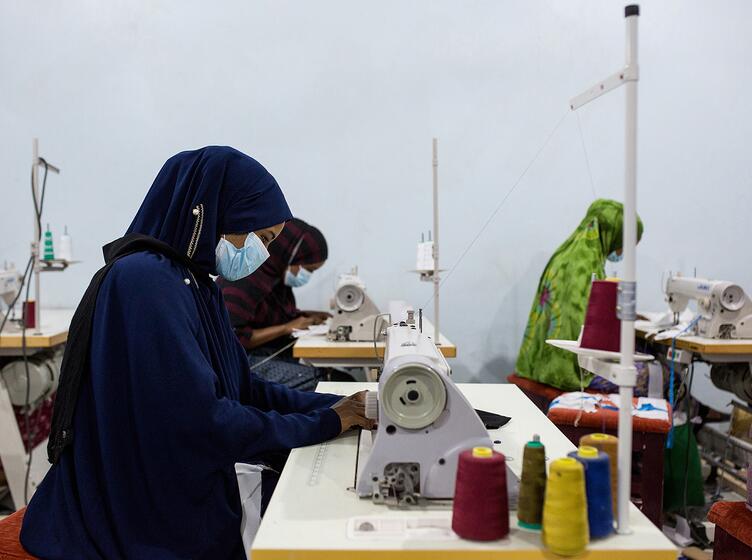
{"x":602,"y":330}
{"x":481,"y":508}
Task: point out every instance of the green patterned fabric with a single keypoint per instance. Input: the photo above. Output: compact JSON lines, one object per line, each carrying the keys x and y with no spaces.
{"x":560,"y":302}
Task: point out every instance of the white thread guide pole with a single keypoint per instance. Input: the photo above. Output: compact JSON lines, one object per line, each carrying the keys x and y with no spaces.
{"x":36,"y":265}
{"x":36,"y":268}
{"x":628,"y":286}
{"x":624,"y":375}
{"x":436,"y":280}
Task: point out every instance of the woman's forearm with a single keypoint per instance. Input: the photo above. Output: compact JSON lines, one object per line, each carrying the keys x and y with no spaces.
{"x":267,"y":334}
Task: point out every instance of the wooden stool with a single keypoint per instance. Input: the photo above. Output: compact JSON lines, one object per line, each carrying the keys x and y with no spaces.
{"x":648,"y":443}
{"x":10,"y":541}
{"x":733,"y":531}
{"x":540,"y":393}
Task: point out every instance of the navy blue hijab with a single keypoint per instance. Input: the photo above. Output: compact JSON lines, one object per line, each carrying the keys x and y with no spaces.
{"x":167,"y":404}
{"x":235,"y":191}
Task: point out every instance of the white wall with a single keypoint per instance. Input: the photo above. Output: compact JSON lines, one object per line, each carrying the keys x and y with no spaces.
{"x":340,"y":99}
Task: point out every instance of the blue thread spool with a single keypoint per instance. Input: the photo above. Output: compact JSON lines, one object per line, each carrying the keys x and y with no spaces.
{"x":598,"y":490}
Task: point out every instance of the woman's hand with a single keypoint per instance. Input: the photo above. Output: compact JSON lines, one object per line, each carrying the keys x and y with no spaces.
{"x":300,"y":323}
{"x":352,"y":412}
{"x":318,"y":316}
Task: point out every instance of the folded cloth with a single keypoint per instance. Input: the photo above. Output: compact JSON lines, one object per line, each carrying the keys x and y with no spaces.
{"x":660,"y":326}
{"x":585,"y":401}
{"x":642,"y":407}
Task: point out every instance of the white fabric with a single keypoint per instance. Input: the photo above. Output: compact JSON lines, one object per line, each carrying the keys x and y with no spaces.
{"x":586,"y":401}
{"x":652,"y":409}
{"x":249,"y":485}
{"x":660,"y":326}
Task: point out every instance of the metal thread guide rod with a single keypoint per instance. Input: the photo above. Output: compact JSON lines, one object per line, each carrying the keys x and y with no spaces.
{"x":35,"y":243}
{"x":436,"y":279}
{"x":624,"y":374}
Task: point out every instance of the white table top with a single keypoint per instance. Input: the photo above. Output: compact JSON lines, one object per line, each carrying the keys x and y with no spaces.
{"x":309,"y":513}
{"x":705,"y":346}
{"x":52,"y":332}
{"x":320,"y":348}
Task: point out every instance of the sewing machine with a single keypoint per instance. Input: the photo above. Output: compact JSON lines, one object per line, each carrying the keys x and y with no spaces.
{"x":354,"y":315}
{"x":725,"y":310}
{"x":10,"y":282}
{"x":424,"y":423}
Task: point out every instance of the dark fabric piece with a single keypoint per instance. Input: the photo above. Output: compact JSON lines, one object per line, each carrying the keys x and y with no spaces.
{"x":491,"y":420}
{"x":40,"y":420}
{"x":680,"y":471}
{"x":167,"y":404}
{"x":262,"y":299}
{"x":286,"y":372}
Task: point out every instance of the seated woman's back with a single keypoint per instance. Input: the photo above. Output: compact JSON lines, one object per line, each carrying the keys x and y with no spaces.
{"x":561,"y":298}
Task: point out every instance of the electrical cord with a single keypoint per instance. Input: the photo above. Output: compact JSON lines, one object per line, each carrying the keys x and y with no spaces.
{"x":501,"y":204}
{"x":38,"y":207}
{"x":698,"y":537}
{"x":671,"y":397}
{"x":38,"y":214}
{"x":375,"y":348}
{"x":277,"y":353}
{"x":18,"y":293}
{"x":28,"y":439}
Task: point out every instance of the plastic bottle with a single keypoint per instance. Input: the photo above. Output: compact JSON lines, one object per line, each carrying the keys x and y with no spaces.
{"x":65,"y":249}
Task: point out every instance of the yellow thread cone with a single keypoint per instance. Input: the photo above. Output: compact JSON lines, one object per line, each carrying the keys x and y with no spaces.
{"x":565,"y":522}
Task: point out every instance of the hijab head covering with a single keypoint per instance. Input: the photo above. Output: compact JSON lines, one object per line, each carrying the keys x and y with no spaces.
{"x":262,"y":299}
{"x":310,"y":247}
{"x":156,"y":401}
{"x":561,"y":300}
{"x":207,"y":193}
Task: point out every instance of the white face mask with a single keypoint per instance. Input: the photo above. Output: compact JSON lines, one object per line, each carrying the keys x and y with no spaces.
{"x":234,"y":264}
{"x":297,"y":280}
{"x":614,"y":257}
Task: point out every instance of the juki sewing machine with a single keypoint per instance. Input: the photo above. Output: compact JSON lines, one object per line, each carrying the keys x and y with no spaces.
{"x":725,"y":310}
{"x":424,"y":423}
{"x":354,"y":315}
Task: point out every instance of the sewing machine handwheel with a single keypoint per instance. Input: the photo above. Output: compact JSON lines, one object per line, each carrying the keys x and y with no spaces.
{"x":414,"y":396}
{"x":349,"y":298}
{"x":372,"y":405}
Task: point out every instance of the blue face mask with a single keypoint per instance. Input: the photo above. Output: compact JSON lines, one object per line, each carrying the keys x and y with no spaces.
{"x":614,"y":258}
{"x":296,"y":281}
{"x":234,"y":264}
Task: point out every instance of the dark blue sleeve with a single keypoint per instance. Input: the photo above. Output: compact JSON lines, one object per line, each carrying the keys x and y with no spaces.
{"x":159,"y":367}
{"x":274,"y":396}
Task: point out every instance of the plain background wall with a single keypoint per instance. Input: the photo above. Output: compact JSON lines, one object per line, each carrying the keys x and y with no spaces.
{"x":340,"y":100}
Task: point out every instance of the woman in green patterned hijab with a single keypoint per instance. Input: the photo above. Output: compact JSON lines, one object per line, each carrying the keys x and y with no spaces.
{"x":559,"y":305}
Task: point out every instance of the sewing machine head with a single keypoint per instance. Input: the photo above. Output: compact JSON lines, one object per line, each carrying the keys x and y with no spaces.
{"x":424,"y":423}
{"x":725,"y":310}
{"x":10,"y":282}
{"x":354,"y":315}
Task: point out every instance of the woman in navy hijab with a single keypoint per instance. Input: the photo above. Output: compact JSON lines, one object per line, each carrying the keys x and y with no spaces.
{"x":156,"y":401}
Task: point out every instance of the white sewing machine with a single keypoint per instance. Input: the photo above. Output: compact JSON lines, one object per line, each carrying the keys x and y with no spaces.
{"x":10,"y":282}
{"x":424,"y":423}
{"x":725,"y":310}
{"x":354,"y":315}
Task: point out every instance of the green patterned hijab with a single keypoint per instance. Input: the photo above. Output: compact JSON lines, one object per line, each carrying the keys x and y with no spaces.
{"x":560,"y":302}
